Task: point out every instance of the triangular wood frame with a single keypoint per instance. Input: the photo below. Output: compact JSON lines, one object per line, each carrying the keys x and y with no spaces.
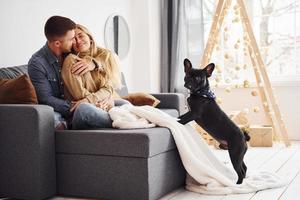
{"x":262,"y":79}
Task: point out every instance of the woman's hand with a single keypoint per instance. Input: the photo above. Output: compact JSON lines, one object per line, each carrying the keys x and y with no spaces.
{"x":75,"y":104}
{"x":106,"y":104}
{"x":82,"y":66}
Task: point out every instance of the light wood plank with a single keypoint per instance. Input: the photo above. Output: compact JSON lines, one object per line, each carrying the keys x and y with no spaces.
{"x":288,"y":170}
{"x":265,"y":153}
{"x":281,"y":158}
{"x":292,"y":192}
{"x":261,"y":164}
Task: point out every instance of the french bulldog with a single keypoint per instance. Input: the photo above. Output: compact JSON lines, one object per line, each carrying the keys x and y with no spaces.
{"x":206,"y":113}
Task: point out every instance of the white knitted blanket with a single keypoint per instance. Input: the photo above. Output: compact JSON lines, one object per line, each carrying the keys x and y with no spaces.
{"x":206,"y":174}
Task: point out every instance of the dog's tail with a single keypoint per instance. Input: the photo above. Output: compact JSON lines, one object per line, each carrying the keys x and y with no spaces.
{"x":246,"y":134}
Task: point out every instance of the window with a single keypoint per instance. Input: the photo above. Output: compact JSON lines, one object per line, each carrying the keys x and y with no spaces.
{"x":276,"y":26}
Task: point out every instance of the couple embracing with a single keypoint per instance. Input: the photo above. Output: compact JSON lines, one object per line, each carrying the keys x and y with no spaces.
{"x":75,"y":76}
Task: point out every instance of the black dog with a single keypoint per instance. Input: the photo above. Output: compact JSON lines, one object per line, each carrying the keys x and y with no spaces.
{"x":206,"y":112}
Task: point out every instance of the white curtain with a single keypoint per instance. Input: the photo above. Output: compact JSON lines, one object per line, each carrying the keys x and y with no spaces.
{"x":182,"y":37}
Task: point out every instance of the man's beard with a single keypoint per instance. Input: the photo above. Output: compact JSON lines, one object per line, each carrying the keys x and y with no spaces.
{"x":66,"y":50}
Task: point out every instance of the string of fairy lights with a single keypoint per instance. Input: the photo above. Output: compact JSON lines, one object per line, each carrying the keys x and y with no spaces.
{"x":233,"y":54}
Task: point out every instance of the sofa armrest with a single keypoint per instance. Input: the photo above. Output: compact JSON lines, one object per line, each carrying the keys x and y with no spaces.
{"x":27,"y":151}
{"x":171,"y":101}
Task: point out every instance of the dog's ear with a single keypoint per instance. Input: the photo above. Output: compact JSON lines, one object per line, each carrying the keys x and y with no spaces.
{"x":209,"y":69}
{"x":187,"y":65}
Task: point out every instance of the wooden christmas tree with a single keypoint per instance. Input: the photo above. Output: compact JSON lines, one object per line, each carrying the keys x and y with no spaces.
{"x":269,"y":103}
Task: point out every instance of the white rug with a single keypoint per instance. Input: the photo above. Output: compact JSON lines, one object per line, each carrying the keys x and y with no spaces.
{"x":206,"y":174}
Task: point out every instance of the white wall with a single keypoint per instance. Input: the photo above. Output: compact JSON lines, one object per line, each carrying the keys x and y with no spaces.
{"x":146,"y":45}
{"x":22,"y":24}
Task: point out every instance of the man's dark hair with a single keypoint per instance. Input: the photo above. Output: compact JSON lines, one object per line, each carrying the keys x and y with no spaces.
{"x":58,"y":26}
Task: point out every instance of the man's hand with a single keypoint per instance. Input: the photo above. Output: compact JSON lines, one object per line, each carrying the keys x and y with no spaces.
{"x":82,"y":66}
{"x":75,"y":104}
{"x":106,"y":104}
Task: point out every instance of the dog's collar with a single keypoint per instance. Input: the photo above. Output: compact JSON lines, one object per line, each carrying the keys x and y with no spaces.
{"x":205,"y":93}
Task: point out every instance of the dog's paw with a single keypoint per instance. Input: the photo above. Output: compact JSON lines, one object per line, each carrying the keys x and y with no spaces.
{"x":240,"y":181}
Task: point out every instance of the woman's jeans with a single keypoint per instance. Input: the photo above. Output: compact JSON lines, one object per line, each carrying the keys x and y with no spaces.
{"x":88,"y":116}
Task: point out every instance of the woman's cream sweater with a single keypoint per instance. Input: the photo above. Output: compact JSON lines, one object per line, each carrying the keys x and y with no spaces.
{"x":93,"y":85}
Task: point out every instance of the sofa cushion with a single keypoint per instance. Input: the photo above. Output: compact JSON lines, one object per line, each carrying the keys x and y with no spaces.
{"x":17,"y":91}
{"x":141,"y":99}
{"x":13,"y":72}
{"x":111,"y":142}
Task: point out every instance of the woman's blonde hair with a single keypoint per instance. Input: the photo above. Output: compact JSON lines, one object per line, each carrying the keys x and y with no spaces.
{"x":107,"y":58}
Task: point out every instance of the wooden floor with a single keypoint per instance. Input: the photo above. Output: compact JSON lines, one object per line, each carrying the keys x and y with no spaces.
{"x":284,"y":161}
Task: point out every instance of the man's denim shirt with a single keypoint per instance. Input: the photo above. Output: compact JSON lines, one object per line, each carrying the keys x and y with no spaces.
{"x":45,"y":73}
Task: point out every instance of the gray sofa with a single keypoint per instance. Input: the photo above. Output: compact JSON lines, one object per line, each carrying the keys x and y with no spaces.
{"x":37,"y":162}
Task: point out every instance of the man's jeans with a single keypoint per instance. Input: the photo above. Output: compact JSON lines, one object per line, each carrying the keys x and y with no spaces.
{"x":88,"y":116}
{"x":58,"y":120}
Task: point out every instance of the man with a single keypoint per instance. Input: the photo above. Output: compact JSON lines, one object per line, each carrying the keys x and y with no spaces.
{"x":44,"y":68}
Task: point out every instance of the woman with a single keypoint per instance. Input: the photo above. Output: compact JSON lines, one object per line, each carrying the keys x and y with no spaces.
{"x":91,"y":92}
